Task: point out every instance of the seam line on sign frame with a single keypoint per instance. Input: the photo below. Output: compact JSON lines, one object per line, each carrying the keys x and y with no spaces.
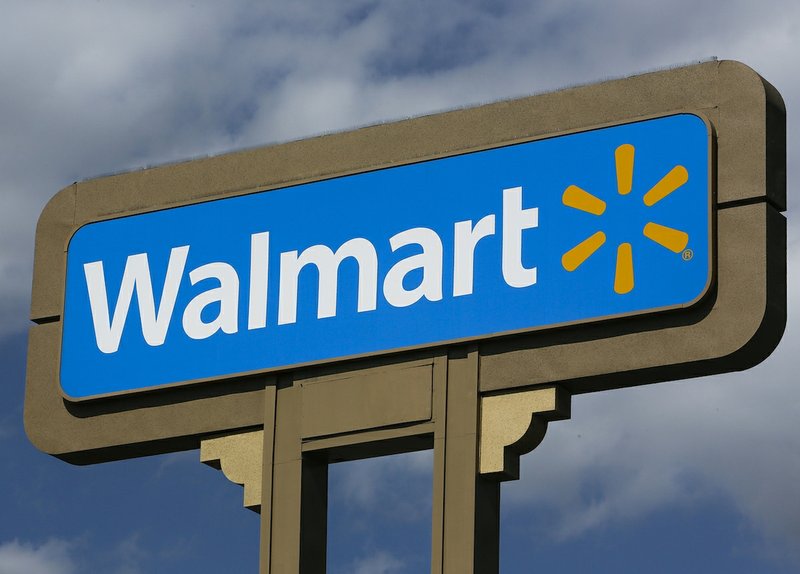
{"x":748,"y":201}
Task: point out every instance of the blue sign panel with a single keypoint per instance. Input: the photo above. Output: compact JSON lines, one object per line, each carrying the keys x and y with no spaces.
{"x":593,"y":225}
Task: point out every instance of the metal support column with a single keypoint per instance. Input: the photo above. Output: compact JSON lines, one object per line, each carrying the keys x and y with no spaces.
{"x":294,"y":523}
{"x":466,"y":506}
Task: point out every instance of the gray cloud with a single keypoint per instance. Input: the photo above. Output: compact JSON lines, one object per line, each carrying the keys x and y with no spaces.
{"x":378,"y":563}
{"x":382,"y":485}
{"x":645,"y":449}
{"x":129,"y":555}
{"x":89,"y":89}
{"x":52,"y":557}
{"x":167,"y":461}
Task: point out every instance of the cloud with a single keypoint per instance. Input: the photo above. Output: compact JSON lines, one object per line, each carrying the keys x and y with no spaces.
{"x":379,"y":563}
{"x":52,"y":557}
{"x":397,"y":485}
{"x":129,"y":555}
{"x":168,"y":461}
{"x":625,"y":454}
{"x":89,"y":89}
{"x":58,"y":556}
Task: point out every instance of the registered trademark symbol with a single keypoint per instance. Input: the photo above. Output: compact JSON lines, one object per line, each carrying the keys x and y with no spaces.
{"x":688,"y":254}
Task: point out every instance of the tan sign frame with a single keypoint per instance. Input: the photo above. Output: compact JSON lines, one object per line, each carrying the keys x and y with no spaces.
{"x":735,"y":326}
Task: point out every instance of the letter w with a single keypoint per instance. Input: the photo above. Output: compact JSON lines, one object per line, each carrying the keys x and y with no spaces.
{"x":108,"y":331}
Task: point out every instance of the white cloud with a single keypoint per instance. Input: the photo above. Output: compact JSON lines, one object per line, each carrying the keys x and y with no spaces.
{"x":91,"y":88}
{"x":379,"y":563}
{"x":399,"y":485}
{"x":52,"y":557}
{"x":651,"y":448}
{"x":129,"y":555}
{"x":168,"y":461}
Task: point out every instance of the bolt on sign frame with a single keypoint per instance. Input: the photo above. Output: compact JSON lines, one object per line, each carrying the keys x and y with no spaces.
{"x":478,"y":398}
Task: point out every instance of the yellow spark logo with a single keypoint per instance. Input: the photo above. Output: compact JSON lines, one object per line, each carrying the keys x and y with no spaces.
{"x":672,"y":239}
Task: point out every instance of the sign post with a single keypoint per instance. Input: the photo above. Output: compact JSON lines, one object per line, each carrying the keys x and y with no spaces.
{"x":445,"y":282}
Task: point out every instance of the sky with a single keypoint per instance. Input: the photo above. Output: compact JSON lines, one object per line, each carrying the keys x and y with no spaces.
{"x":691,"y":476}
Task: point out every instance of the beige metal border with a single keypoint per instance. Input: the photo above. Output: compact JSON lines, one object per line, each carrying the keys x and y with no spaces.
{"x":735,"y":327}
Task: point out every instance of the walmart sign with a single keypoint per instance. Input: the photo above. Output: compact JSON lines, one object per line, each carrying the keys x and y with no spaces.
{"x":583,"y":227}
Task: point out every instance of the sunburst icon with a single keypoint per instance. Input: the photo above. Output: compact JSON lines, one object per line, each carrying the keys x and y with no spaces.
{"x":673,"y":239}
